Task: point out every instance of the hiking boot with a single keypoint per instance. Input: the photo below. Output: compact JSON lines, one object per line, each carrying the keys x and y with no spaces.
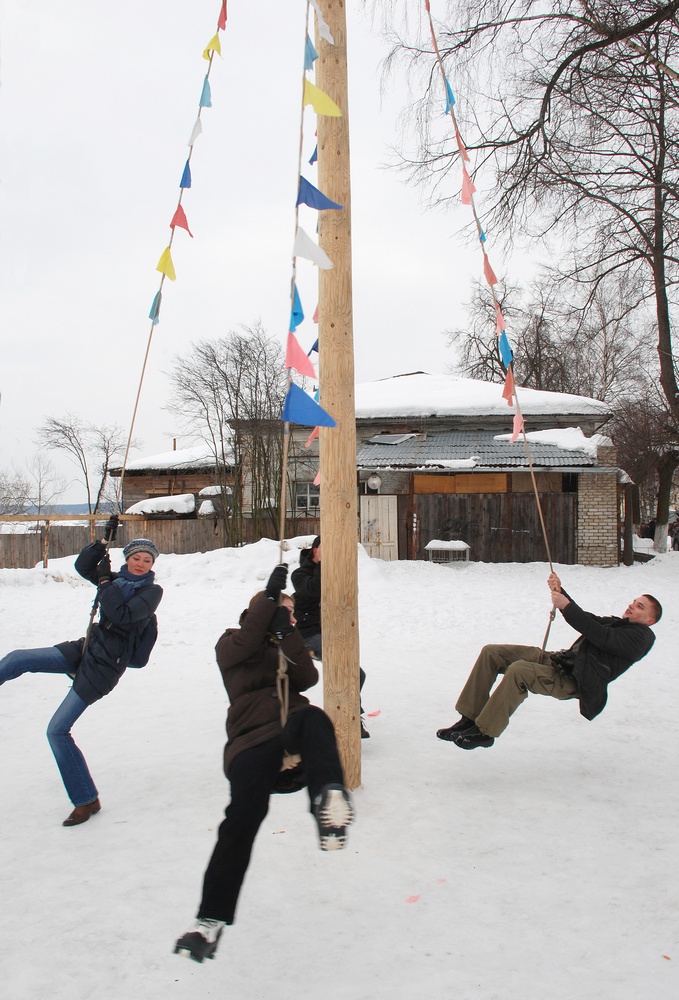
{"x":201,"y":941}
{"x":334,"y":812}
{"x":365,"y":735}
{"x":472,"y":738}
{"x":461,"y":726}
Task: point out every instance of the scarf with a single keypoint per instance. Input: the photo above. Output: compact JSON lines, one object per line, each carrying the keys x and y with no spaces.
{"x":128,"y":582}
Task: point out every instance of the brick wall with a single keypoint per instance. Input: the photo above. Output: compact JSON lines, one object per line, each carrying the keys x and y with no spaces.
{"x":598,"y":514}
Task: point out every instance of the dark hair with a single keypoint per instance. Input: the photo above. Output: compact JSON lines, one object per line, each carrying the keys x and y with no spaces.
{"x":316,"y":542}
{"x":656,"y":606}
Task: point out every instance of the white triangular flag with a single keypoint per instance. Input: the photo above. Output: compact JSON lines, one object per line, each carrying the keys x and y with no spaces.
{"x":197,"y":129}
{"x":305,"y":247}
{"x":323,"y":29}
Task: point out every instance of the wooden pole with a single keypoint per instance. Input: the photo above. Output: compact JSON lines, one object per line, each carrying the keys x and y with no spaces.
{"x":339,"y":500}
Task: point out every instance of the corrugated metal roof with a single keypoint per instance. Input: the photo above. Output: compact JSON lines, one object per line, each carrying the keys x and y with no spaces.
{"x":471,"y":449}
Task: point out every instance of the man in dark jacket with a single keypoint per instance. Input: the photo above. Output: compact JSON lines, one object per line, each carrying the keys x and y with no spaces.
{"x":606,"y":648}
{"x":269,"y":725}
{"x":307,"y":583}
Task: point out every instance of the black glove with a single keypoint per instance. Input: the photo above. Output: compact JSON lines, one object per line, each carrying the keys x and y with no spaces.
{"x":281,"y":625}
{"x":111,"y":528}
{"x":104,"y":571}
{"x":276,"y":582}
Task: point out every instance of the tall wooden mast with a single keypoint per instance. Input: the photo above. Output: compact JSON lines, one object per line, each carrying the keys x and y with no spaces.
{"x":339,"y":500}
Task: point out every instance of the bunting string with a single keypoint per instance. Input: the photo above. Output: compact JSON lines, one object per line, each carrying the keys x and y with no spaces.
{"x":468,"y":190}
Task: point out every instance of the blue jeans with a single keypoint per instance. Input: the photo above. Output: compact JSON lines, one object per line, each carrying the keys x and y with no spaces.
{"x":70,"y":761}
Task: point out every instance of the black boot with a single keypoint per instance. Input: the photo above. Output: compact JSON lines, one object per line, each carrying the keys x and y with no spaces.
{"x":461,"y":726}
{"x":472,"y":738}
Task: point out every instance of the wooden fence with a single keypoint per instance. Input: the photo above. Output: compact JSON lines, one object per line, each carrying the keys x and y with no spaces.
{"x":55,"y":540}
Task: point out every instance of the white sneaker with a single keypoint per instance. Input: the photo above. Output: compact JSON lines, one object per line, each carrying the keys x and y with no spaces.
{"x":334,"y":812}
{"x":201,"y":940}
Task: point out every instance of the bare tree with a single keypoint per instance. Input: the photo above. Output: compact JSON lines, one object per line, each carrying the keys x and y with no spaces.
{"x":14,"y":492}
{"x":45,"y":483}
{"x":231,"y":391}
{"x":93,"y":449}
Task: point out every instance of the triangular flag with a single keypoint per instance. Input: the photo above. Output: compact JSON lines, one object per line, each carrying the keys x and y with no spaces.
{"x":197,"y":129}
{"x":214,"y":45}
{"x":312,"y":437}
{"x":297,"y":359}
{"x":482,"y":236}
{"x":314,"y":156}
{"x":509,"y":389}
{"x":296,"y":313}
{"x":155,"y":307}
{"x":499,"y":320}
{"x":323,"y":29}
{"x":185,"y":182}
{"x":315,"y":316}
{"x":310,"y":54}
{"x":314,"y":347}
{"x":461,"y":146}
{"x":311,"y":196}
{"x":221,"y":21}
{"x":179,"y":219}
{"x":165,"y":265}
{"x":301,"y":409}
{"x":317,"y":478}
{"x":468,"y":188}
{"x":305,"y":247}
{"x":506,"y":355}
{"x":319,"y":100}
{"x":488,"y":271}
{"x":518,"y":426}
{"x":450,"y":99}
{"x":206,"y":95}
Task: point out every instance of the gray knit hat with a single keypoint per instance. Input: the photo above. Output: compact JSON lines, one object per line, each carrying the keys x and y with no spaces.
{"x":140,"y":545}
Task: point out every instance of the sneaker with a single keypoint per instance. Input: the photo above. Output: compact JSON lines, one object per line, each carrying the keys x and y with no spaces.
{"x":334,"y":812}
{"x":472,"y":738}
{"x":201,"y":941}
{"x":461,"y":726}
{"x":365,"y":735}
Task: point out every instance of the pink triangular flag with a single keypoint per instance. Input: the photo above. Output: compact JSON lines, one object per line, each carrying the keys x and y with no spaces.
{"x":312,"y":437}
{"x":488,"y":271}
{"x":315,"y":317}
{"x":317,"y":478}
{"x":518,"y":426}
{"x":509,"y":389}
{"x":499,"y":320}
{"x":179,"y":219}
{"x":468,"y":188}
{"x":461,"y":146}
{"x":221,"y":22}
{"x":297,"y":359}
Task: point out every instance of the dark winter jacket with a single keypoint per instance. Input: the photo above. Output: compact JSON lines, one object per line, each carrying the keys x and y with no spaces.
{"x":248,"y":661}
{"x":307,"y":583}
{"x":123,"y":637}
{"x":606,"y":648}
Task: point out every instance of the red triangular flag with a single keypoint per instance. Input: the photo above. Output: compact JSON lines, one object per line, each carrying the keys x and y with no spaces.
{"x":297,"y":359}
{"x":488,"y":271}
{"x":508,"y":391}
{"x":179,"y":219}
{"x":221,"y":22}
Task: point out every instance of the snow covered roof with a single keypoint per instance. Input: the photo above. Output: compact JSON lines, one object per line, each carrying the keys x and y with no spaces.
{"x":422,"y":395}
{"x":199,"y":457}
{"x":183,"y":503}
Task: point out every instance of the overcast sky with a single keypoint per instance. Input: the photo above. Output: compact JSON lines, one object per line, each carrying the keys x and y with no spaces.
{"x":97,"y":103}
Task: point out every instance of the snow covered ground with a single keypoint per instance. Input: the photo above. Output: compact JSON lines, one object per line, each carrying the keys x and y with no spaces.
{"x":544,"y":868}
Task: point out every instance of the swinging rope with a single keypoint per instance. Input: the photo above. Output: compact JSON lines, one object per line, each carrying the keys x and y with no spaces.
{"x":491,"y":279}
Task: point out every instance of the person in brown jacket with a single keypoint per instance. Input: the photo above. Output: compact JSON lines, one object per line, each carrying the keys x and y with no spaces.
{"x":260,"y":739}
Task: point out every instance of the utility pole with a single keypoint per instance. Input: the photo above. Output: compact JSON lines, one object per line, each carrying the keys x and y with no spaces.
{"x":339,"y":499}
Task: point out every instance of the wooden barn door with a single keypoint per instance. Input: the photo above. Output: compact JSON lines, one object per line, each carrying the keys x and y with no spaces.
{"x":379,"y":526}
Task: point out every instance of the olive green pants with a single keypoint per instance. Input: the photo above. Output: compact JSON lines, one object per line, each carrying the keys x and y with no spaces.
{"x":525,"y":668}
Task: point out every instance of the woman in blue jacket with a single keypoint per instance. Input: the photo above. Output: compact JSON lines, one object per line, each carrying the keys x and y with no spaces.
{"x":124,"y":636}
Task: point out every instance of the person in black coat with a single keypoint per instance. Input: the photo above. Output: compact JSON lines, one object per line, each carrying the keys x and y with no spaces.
{"x":605,"y":649}
{"x":124,"y":636}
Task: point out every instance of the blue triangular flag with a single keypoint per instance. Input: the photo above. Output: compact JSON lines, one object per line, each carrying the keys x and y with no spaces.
{"x":314,"y":347}
{"x":297,"y":314}
{"x":185,"y":182}
{"x":301,"y":409}
{"x":311,"y":196}
{"x":206,"y":96}
{"x":314,"y":156}
{"x":155,"y":308}
{"x":450,"y":99}
{"x":506,"y":355}
{"x":482,"y":236}
{"x":310,"y":54}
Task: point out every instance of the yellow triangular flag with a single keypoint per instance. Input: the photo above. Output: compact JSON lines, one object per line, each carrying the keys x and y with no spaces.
{"x":319,"y":101}
{"x":165,"y":265}
{"x":214,"y":45}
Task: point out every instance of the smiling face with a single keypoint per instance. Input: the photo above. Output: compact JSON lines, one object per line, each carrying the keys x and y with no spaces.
{"x":639,"y":611}
{"x":139,"y":563}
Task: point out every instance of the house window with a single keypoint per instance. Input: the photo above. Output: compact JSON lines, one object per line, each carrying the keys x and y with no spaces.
{"x":307,"y":500}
